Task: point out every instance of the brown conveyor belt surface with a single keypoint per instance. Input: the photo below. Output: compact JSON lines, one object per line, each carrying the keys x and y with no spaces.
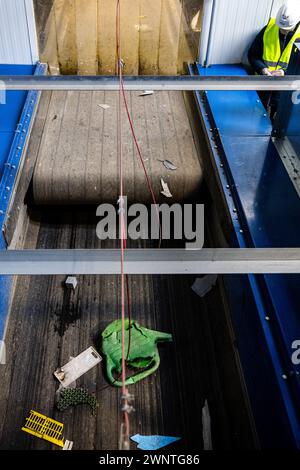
{"x":48,"y":324}
{"x":77,"y":159}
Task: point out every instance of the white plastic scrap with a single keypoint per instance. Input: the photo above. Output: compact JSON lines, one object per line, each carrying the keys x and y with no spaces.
{"x":71,"y":282}
{"x":77,"y":366}
{"x":68,"y":445}
{"x":206,"y":428}
{"x":2,"y":353}
{"x":169,"y":165}
{"x":104,"y":106}
{"x":147,"y":93}
{"x":166,"y":191}
{"x":203,"y":285}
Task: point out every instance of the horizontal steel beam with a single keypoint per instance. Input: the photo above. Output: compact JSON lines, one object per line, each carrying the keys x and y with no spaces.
{"x":206,"y":261}
{"x":157,"y":83}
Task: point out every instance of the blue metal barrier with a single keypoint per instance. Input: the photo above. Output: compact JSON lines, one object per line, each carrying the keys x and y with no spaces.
{"x":16,"y":114}
{"x":265,"y":212}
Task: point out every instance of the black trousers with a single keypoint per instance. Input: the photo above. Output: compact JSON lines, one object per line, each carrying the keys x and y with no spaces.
{"x":270,"y":100}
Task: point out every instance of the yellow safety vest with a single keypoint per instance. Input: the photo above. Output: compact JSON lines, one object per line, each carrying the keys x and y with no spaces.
{"x":272,"y":55}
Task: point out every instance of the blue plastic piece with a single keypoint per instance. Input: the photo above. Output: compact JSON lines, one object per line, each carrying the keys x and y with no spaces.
{"x":265,"y":212}
{"x":153,"y":442}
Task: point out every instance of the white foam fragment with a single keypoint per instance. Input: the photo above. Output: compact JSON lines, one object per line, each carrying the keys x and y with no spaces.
{"x":104,"y":106}
{"x":147,"y":93}
{"x":71,"y":282}
{"x":166,"y":191}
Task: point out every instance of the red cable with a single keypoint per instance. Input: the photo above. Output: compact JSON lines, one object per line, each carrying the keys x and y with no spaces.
{"x":123,"y":235}
{"x":129,"y":318}
{"x":141,"y":159}
{"x":124,"y":279}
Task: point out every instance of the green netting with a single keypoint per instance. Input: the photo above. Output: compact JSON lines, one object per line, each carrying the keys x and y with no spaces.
{"x":76,"y":396}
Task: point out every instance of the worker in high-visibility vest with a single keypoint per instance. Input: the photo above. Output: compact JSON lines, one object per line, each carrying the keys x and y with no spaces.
{"x":271,"y":50}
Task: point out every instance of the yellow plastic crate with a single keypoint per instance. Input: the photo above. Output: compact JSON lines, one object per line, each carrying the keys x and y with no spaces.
{"x":44,"y":428}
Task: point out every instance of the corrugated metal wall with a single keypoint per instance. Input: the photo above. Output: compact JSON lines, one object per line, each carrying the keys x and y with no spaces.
{"x":18,"y":42}
{"x":234,"y":25}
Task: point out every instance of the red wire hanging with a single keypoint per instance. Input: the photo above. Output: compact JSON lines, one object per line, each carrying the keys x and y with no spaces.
{"x":125,"y":426}
{"x":124,"y":279}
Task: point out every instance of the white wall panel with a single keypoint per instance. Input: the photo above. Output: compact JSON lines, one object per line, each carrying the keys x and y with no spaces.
{"x":18,"y":43}
{"x":234,"y":25}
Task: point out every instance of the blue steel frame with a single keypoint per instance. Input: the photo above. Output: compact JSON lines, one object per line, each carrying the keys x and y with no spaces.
{"x":8,"y":181}
{"x":236,"y":125}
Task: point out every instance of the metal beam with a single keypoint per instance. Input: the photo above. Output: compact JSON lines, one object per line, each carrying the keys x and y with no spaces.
{"x":169,"y":261}
{"x":174,"y":83}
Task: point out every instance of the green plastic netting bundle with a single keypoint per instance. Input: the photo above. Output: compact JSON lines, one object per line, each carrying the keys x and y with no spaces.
{"x":76,"y":396}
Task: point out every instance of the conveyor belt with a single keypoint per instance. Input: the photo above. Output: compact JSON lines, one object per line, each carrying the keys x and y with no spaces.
{"x":48,"y":325}
{"x":77,"y":161}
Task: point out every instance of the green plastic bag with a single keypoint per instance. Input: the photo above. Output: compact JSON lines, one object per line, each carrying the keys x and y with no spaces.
{"x":143,"y":351}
